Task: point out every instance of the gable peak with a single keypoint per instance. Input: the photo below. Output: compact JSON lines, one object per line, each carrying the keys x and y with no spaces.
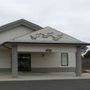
{"x":18,"y":23}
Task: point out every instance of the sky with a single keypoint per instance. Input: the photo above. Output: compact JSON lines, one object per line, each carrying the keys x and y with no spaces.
{"x":69,"y":16}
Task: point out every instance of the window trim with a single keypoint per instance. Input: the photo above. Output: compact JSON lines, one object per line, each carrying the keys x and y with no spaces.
{"x":61,"y":59}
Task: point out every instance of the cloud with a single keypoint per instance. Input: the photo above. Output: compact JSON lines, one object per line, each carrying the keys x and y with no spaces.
{"x":69,"y":16}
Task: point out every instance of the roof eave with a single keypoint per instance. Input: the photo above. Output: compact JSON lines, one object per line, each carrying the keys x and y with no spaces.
{"x":76,"y":44}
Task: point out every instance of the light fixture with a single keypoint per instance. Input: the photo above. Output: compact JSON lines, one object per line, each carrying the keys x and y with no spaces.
{"x":43,"y":54}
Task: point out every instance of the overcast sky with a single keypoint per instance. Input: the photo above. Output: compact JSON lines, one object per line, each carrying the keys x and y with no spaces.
{"x":69,"y":16}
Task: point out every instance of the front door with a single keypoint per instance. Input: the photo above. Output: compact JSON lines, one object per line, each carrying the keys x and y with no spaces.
{"x":24,"y":62}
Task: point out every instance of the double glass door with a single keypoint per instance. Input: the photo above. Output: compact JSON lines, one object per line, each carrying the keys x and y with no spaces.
{"x":24,"y":62}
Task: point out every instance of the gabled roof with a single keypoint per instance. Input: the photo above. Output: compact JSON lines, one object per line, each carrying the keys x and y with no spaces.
{"x":47,"y":35}
{"x":18,"y":23}
{"x":41,"y":35}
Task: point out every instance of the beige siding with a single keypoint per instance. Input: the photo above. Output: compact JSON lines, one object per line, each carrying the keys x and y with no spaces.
{"x":72,"y":59}
{"x":5,"y":59}
{"x":48,"y":60}
{"x":51,"y":60}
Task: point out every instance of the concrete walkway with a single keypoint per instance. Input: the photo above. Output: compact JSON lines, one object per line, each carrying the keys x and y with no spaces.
{"x":43,"y":76}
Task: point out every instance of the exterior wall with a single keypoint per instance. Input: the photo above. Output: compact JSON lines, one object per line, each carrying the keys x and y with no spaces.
{"x":52,"y":59}
{"x":14,"y":33}
{"x":40,"y":58}
{"x":5,"y":58}
{"x":48,"y":60}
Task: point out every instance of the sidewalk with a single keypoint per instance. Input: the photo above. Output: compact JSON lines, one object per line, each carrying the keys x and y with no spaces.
{"x":43,"y":76}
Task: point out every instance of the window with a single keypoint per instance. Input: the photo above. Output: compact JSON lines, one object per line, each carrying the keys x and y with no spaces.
{"x":64,"y":59}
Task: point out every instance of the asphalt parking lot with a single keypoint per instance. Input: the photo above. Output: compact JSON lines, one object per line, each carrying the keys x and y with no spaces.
{"x":76,"y":84}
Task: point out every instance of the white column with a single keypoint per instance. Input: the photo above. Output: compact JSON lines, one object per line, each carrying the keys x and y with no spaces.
{"x":14,"y":61}
{"x":78,"y":61}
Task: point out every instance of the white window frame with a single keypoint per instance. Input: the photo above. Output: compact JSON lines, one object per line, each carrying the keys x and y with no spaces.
{"x":62,"y":59}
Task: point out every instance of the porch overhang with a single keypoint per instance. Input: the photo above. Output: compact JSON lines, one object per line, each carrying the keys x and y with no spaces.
{"x":59,"y":43}
{"x":14,"y":53}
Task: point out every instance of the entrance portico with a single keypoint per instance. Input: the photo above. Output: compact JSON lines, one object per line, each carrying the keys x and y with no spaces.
{"x":15,"y":59}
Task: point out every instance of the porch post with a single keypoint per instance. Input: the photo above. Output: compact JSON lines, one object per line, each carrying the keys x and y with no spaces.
{"x":14,"y":61}
{"x":78,"y":61}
